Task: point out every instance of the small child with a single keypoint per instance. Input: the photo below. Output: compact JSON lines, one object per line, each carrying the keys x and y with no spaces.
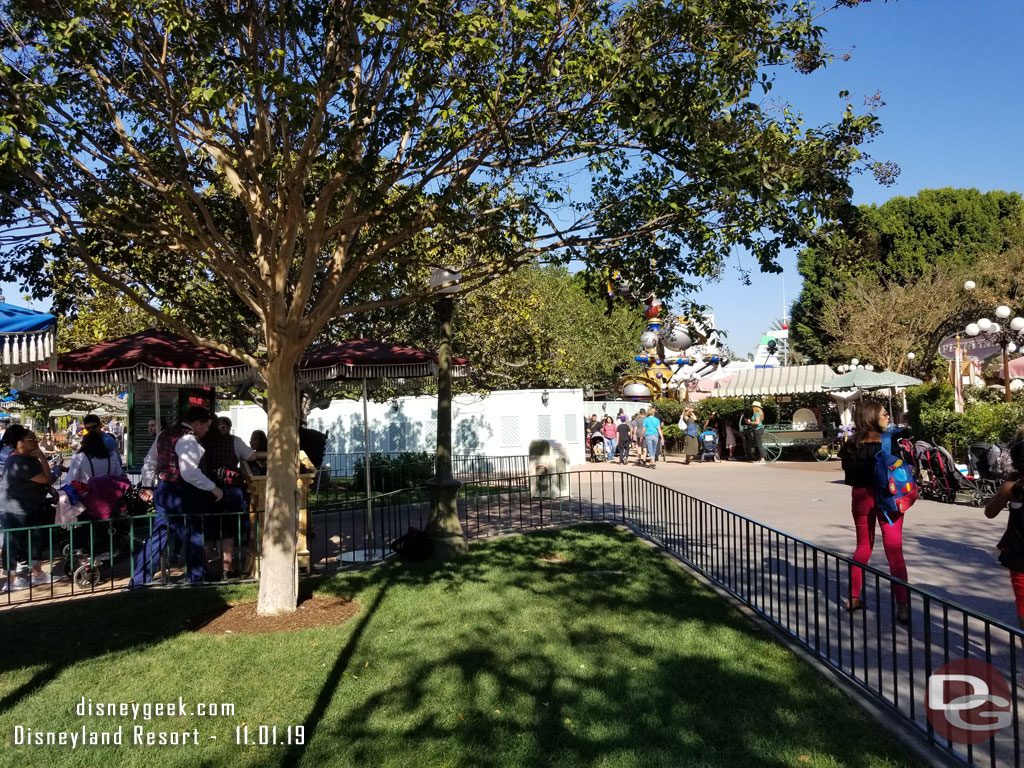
{"x":1011,"y":545}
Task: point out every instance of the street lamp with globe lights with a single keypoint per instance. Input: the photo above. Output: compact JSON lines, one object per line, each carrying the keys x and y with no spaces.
{"x":1008,"y":338}
{"x":854,"y":365}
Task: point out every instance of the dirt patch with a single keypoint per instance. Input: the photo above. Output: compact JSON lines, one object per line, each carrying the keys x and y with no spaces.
{"x":552,"y":559}
{"x":241,"y":619}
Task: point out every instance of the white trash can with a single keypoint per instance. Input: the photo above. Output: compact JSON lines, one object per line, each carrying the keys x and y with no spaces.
{"x":548,"y":469}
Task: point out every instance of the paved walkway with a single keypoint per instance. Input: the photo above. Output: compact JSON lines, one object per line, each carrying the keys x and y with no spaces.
{"x":949,"y":548}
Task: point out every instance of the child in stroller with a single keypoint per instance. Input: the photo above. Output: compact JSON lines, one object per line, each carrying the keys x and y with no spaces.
{"x":709,"y":445}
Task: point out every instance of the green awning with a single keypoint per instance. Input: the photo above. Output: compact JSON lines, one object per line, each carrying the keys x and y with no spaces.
{"x":865,"y":379}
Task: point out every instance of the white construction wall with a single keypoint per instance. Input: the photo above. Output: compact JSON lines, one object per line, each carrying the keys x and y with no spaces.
{"x":611,"y":407}
{"x":494,"y":424}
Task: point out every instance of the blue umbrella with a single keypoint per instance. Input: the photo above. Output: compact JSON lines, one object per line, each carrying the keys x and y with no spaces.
{"x":21,"y":320}
{"x":26,"y":336}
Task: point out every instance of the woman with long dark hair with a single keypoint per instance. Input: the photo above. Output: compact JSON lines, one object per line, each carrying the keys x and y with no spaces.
{"x":870,"y":421}
{"x":1011,"y":545}
{"x":94,"y":458}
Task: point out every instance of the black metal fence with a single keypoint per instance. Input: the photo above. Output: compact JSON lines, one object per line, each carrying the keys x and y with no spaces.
{"x":801,"y":588}
{"x":797,"y":586}
{"x":346,"y":478}
{"x":348,"y":464}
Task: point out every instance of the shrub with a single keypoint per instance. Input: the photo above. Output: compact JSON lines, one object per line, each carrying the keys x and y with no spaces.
{"x":927,"y":404}
{"x":672,"y":432}
{"x":669,"y":411}
{"x":734,"y":408}
{"x":728,"y":408}
{"x":390,"y":472}
{"x":985,"y":419}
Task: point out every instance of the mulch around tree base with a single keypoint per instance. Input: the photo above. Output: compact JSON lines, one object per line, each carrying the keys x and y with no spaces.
{"x":241,"y":619}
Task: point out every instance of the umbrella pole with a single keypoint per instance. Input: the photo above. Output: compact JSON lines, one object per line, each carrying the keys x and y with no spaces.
{"x":126,"y":431}
{"x":368,"y":531}
{"x":156,"y":407}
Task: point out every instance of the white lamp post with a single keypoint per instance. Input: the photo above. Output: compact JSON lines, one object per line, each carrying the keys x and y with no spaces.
{"x":1009,"y":338}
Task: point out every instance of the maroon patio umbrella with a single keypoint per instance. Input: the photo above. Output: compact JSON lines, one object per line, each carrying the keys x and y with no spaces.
{"x":156,"y":356}
{"x":366,"y":359}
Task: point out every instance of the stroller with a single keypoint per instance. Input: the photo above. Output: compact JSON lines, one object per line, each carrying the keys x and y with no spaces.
{"x":990,"y":467}
{"x":597,"y":449}
{"x":939,"y":479}
{"x":709,"y":445}
{"x":98,"y":535}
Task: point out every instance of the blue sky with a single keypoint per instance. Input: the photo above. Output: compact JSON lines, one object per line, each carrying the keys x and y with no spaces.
{"x":952,"y":75}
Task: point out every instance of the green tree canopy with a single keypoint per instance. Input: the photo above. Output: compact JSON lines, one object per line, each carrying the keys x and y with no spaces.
{"x":898,"y":243}
{"x":248,"y":171}
{"x":539,"y":327}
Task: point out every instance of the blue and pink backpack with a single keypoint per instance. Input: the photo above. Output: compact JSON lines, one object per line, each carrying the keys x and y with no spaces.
{"x":895,"y":486}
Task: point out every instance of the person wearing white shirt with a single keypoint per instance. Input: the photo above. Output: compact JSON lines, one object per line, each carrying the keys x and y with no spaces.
{"x":92,"y":460}
{"x":172,"y":478}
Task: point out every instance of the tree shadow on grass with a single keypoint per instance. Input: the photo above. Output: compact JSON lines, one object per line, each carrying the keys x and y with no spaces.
{"x":55,"y":636}
{"x":547,"y":674}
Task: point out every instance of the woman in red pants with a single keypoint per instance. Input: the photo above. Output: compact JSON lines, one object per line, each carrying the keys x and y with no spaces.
{"x":870,"y":420}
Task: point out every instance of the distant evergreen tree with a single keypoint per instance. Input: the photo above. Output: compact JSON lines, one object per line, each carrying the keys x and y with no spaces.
{"x":898,"y":243}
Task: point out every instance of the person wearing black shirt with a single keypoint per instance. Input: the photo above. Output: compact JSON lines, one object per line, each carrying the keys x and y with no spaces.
{"x":1011,"y":545}
{"x":24,"y":503}
{"x":625,"y":431}
{"x":858,"y":457}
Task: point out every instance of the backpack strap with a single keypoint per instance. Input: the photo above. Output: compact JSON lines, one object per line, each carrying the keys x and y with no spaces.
{"x":92,"y":469}
{"x":887,"y":442}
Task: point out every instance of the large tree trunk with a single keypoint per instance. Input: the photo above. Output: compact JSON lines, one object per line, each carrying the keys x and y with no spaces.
{"x":279,"y":576}
{"x":444,"y":526}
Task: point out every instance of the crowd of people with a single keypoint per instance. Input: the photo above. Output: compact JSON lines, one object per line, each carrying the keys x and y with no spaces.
{"x":191,"y":474}
{"x":612,"y":438}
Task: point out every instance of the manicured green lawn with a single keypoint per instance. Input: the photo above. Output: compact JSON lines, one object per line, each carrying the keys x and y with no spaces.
{"x":580,"y":647}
